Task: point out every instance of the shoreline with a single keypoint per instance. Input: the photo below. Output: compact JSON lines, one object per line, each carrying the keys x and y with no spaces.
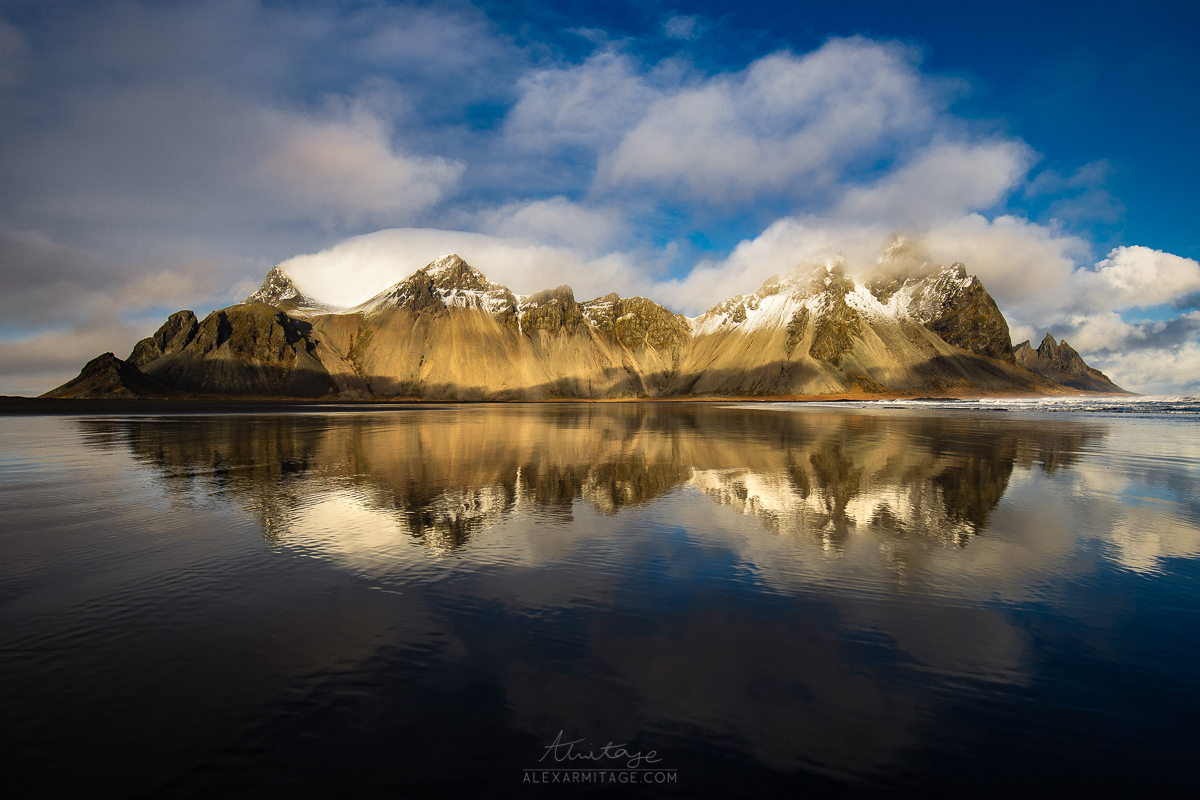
{"x":10,"y":405}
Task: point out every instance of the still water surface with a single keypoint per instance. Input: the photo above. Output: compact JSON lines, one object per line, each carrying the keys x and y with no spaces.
{"x":776,"y":600}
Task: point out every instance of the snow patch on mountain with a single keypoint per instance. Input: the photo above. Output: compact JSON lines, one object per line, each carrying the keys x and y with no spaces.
{"x":778,"y":301}
{"x":454,"y":282}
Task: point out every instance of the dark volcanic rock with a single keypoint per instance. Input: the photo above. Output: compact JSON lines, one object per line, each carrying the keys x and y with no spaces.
{"x":1062,"y":364}
{"x":107,"y":377}
{"x":175,"y":334}
{"x":958,"y":309}
{"x":246,"y":350}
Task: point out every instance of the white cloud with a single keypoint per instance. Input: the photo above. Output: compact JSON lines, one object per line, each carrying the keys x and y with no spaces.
{"x":358,"y":268}
{"x":1100,"y":330}
{"x":942,"y":182}
{"x":1025,"y":266}
{"x":1137,"y":277}
{"x":584,"y":106}
{"x":557,"y":221}
{"x":1158,"y":371}
{"x":783,"y":246}
{"x":782,"y":126}
{"x":1083,"y":304}
{"x":347,"y":170}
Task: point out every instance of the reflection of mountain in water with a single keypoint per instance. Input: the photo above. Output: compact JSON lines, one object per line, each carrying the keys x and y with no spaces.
{"x":444,"y":475}
{"x":937,"y":478}
{"x":833,"y":484}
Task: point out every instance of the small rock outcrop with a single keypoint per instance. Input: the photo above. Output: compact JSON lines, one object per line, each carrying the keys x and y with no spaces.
{"x":107,"y":377}
{"x":1062,"y":364}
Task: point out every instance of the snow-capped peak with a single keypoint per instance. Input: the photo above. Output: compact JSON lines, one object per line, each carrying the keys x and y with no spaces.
{"x":447,"y":281}
{"x":821,"y":288}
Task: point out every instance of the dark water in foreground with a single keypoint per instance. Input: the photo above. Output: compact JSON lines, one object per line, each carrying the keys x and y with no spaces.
{"x":776,"y":601}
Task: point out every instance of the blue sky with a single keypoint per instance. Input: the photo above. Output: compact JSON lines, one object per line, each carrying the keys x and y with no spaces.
{"x":159,"y":155}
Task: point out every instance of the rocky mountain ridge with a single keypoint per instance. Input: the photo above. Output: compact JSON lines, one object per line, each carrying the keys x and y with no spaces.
{"x":1062,"y":364}
{"x":448,"y":332}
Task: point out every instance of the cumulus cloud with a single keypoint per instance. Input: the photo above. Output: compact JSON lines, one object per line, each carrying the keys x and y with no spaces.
{"x":1090,"y":305}
{"x":783,"y":125}
{"x":1156,"y":371}
{"x":786,"y":244}
{"x":941,"y":182}
{"x":585,"y":107}
{"x":1024,"y":265}
{"x":558,"y":222}
{"x":1144,"y":355}
{"x":1137,"y":277}
{"x":347,"y":169}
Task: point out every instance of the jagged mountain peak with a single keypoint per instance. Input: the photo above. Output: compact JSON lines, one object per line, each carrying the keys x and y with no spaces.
{"x":1048,"y":348}
{"x":446,"y":282}
{"x":279,"y":290}
{"x":924,"y":298}
{"x":947,"y":301}
{"x":1060,"y":362}
{"x":452,"y":272}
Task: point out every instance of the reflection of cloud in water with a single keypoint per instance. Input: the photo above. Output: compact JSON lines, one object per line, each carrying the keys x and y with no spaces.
{"x":828,"y":515}
{"x":341,"y":525}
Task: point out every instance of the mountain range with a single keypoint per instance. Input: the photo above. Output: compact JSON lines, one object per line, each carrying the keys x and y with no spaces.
{"x":448,"y":332}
